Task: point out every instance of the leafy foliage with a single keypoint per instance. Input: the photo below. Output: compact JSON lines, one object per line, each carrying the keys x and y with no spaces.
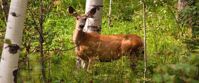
{"x":169,"y":57}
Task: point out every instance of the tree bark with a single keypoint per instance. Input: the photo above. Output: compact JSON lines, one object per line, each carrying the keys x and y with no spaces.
{"x":94,"y":24}
{"x":13,"y":38}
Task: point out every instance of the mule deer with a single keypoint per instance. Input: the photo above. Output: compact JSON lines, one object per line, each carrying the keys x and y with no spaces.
{"x":105,"y":48}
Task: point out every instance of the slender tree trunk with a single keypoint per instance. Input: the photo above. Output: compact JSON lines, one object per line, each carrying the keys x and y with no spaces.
{"x":13,"y":38}
{"x":109,"y":13}
{"x":5,"y":7}
{"x":145,"y":36}
{"x":41,"y":40}
{"x":94,"y":24}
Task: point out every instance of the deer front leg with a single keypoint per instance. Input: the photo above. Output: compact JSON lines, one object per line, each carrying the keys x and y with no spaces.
{"x":133,"y":60}
{"x":90,"y":63}
{"x":81,"y":60}
{"x":79,"y":63}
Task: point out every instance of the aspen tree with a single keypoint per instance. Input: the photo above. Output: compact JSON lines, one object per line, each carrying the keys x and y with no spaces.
{"x":13,"y":39}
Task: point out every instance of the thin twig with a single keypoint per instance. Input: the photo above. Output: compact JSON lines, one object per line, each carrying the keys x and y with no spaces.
{"x":41,"y":41}
{"x":145,"y":51}
{"x":109,"y":14}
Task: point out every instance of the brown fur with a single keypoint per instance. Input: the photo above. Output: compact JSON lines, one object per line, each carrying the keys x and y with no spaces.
{"x":105,"y":48}
{"x":108,"y":47}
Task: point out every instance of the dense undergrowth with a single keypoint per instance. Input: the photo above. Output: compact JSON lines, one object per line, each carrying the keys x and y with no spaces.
{"x":169,"y":57}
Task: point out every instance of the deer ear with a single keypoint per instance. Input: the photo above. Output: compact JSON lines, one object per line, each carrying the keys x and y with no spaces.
{"x":92,"y":12}
{"x":72,"y":11}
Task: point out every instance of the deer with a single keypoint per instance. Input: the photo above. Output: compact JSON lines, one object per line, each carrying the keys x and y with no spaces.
{"x":92,"y":46}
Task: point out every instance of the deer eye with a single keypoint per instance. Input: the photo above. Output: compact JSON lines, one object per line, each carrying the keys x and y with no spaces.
{"x":78,"y":17}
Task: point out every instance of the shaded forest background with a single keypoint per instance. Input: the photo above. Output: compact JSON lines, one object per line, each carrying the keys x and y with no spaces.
{"x":172,"y":42}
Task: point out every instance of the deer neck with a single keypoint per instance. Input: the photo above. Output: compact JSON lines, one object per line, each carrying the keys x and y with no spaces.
{"x":78,"y":36}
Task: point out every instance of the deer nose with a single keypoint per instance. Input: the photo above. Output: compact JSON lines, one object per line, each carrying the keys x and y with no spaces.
{"x":81,"y":26}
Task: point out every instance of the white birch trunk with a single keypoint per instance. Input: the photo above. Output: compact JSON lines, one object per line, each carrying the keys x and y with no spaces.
{"x":97,"y":20}
{"x":14,"y":30}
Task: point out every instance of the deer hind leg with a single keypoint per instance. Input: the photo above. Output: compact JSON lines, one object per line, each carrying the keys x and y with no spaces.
{"x":133,"y":60}
{"x":135,"y":56}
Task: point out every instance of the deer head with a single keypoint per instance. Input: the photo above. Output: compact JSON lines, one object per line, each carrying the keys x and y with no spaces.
{"x":81,"y":19}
